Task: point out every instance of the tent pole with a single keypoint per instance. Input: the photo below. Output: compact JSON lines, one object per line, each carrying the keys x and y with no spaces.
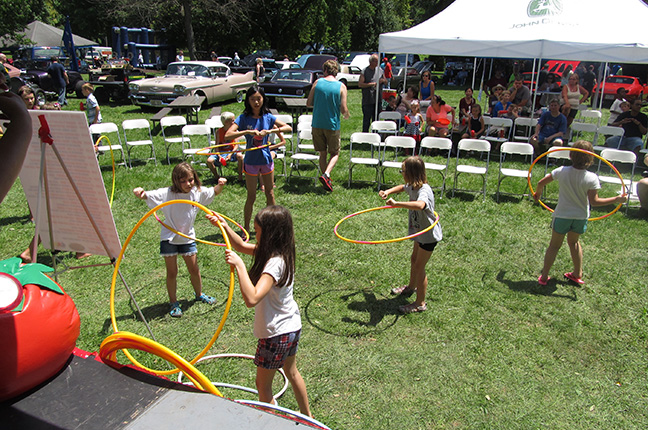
{"x":534,"y":88}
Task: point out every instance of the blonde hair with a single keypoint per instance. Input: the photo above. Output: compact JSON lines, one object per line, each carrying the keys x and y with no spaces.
{"x":582,"y":160}
{"x":227,"y":116}
{"x":88,"y":86}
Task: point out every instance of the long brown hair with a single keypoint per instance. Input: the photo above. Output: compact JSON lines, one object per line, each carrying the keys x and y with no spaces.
{"x":181,"y":171}
{"x":277,"y":240}
{"x":414,"y":171}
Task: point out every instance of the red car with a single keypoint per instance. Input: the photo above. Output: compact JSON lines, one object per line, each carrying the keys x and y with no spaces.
{"x":634,"y":86}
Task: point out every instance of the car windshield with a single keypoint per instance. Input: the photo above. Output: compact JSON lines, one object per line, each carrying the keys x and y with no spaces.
{"x":619,"y":80}
{"x":48,"y":52}
{"x":293,"y":76}
{"x":187,"y":70}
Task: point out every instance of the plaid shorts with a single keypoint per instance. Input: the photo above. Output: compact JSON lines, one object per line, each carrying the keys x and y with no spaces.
{"x":272,"y":352}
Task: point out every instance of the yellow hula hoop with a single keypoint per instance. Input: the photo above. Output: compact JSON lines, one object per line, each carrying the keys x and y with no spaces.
{"x":201,"y":150}
{"x":112,"y":157}
{"x":206,"y":242}
{"x":113,"y":319}
{"x":376,"y":242}
{"x":124,"y":339}
{"x":586,"y":152}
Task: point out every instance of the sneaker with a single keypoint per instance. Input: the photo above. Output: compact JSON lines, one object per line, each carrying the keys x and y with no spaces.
{"x":205,"y":299}
{"x":326,"y":182}
{"x":403,"y":291}
{"x":176,"y":312}
{"x":412,"y":307}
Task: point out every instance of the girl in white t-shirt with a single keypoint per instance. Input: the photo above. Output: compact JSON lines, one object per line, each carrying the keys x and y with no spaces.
{"x":181,"y":217}
{"x":578,"y":190}
{"x":268,"y":287}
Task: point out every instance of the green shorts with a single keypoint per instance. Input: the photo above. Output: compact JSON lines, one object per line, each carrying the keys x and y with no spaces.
{"x":565,"y":225}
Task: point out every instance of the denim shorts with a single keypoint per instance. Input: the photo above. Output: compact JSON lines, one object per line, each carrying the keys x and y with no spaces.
{"x":272,"y":352}
{"x":258,"y":169}
{"x":168,"y":249}
{"x":565,"y":225}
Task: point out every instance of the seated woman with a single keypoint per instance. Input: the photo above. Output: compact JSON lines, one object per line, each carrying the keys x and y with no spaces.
{"x":426,"y":86}
{"x":548,"y":86}
{"x":437,"y":117}
{"x":465,"y":107}
{"x":501,"y":107}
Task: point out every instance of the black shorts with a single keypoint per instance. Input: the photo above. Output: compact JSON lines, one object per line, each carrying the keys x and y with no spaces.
{"x":428,"y":246}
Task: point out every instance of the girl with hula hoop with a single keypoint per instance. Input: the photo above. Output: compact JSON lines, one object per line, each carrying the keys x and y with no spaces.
{"x":256,"y":123}
{"x":578,"y":190}
{"x":186,"y":186}
{"x":268,"y":288}
{"x":421,"y":216}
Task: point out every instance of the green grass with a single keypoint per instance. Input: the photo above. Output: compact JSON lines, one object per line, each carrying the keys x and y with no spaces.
{"x":493,"y":351}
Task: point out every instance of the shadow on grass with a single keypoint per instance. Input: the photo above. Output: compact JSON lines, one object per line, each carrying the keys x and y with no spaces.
{"x":466,"y":196}
{"x":532,"y":287}
{"x":356,"y":314}
{"x":302,"y":185}
{"x":24,"y":219}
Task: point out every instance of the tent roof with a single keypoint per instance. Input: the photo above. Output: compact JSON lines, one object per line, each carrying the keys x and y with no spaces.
{"x":596,"y":30}
{"x":46,"y":35}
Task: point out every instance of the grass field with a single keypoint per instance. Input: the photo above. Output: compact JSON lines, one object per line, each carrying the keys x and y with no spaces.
{"x":494,"y":350}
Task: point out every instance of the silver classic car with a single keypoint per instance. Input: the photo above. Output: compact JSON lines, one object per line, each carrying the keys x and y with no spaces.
{"x":210,"y":79}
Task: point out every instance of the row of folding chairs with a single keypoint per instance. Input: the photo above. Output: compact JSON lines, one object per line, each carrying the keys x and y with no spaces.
{"x":136,"y":133}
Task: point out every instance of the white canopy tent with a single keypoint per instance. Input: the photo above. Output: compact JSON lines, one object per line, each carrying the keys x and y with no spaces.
{"x":585,"y":30}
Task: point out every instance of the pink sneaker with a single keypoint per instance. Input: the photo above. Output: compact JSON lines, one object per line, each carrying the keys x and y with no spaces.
{"x":574,"y":279}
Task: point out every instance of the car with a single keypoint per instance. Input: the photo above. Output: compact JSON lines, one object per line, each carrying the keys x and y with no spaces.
{"x":399,"y":59}
{"x":314,"y":61}
{"x":290,"y":83}
{"x":634,"y":86}
{"x":349,"y":75}
{"x":112,"y":80}
{"x":351,"y":55}
{"x":288,"y":65}
{"x":16,"y":81}
{"x":361,"y":61}
{"x":36,"y":59}
{"x":398,"y":80}
{"x":211,"y":79}
{"x":44,"y":81}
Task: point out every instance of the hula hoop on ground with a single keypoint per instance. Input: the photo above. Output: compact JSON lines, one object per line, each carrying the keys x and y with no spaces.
{"x":206,"y":242}
{"x":376,"y":242}
{"x":201,"y":150}
{"x":586,"y":152}
{"x":284,"y":410}
{"x":124,"y":339}
{"x":113,"y":318}
{"x":239,"y":387}
{"x":112,"y":157}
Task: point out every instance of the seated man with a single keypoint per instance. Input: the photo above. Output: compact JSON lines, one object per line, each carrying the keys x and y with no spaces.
{"x":635,"y":124}
{"x":521,"y":96}
{"x":551,"y":128}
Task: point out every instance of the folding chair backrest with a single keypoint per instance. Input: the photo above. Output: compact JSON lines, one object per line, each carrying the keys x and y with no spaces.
{"x":591,"y":115}
{"x":196,"y":129}
{"x":517,"y":148}
{"x":370,"y":138}
{"x":104,"y":127}
{"x":389,"y":116}
{"x":608,"y":130}
{"x":305,"y":118}
{"x":213,"y":122}
{"x":383,"y":126}
{"x":404,"y":142}
{"x":618,"y":155}
{"x":558,"y":155}
{"x":523,"y":122}
{"x":133,"y":124}
{"x":442,"y":143}
{"x":473,"y":145}
{"x":286,"y":119}
{"x":582,"y":127}
{"x":172,"y":121}
{"x":305,"y":134}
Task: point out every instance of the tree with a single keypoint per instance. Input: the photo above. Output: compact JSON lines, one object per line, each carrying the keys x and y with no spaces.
{"x":16,"y":14}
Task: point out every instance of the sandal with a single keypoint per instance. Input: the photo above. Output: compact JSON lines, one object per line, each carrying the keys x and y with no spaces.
{"x":176,"y":312}
{"x":411,"y":308}
{"x":543,"y":282}
{"x":574,"y":279}
{"x":403,"y":291}
{"x":205,"y":299}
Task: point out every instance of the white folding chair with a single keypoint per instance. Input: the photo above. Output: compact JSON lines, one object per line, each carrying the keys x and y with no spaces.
{"x":399,"y":144}
{"x":310,"y":157}
{"x":511,"y":149}
{"x":304,"y":122}
{"x":556,"y":154}
{"x":478,"y":146}
{"x":384,"y":128}
{"x":172,"y":132}
{"x":606,"y":131}
{"x":287,"y":119}
{"x":591,"y":116}
{"x":494,"y":131}
{"x":617,"y":156}
{"x":373,"y":153}
{"x":195,"y":137}
{"x":110,"y":130}
{"x":137,"y":133}
{"x":396,"y":117}
{"x":214,"y":123}
{"x":577,"y":130}
{"x":439,"y":144}
{"x":304,"y":146}
{"x":523,"y":128}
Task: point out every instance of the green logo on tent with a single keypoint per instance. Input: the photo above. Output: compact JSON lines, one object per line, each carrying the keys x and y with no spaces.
{"x":539,"y":8}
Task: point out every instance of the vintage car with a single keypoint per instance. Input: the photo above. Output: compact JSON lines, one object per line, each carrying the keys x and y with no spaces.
{"x":634,"y":86}
{"x":16,"y":81}
{"x":290,"y":83}
{"x":349,"y":75}
{"x":213,"y":80}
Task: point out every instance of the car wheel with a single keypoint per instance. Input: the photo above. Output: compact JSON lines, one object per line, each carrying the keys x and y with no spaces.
{"x":240,"y":95}
{"x":40,"y":97}
{"x":77,"y":89}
